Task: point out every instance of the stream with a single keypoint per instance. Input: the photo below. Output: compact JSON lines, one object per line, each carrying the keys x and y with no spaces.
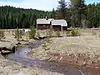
{"x":21,"y":56}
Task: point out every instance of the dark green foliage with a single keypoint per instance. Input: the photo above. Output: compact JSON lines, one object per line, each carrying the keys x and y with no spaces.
{"x":11,"y":17}
{"x":32,"y":32}
{"x":53,"y":15}
{"x":75,"y":32}
{"x":62,"y":9}
{"x":77,"y":11}
{"x":93,"y":15}
{"x":78,"y":15}
{"x":68,"y":32}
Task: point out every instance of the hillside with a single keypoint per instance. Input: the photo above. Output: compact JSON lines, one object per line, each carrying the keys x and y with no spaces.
{"x":11,"y":17}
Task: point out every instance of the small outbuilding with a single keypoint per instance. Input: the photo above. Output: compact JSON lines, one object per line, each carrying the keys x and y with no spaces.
{"x":43,"y":24}
{"x":59,"y":24}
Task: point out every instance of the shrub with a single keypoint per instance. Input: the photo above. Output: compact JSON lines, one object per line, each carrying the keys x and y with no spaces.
{"x":1,"y":34}
{"x":58,"y":33}
{"x":68,"y":32}
{"x":32,"y":32}
{"x":18,"y":34}
{"x":75,"y":32}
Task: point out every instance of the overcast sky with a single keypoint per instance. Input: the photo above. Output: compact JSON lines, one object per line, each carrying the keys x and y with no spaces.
{"x":37,"y":4}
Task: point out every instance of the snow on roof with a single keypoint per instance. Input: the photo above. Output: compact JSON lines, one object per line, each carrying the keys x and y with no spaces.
{"x":61,"y":22}
{"x":43,"y":21}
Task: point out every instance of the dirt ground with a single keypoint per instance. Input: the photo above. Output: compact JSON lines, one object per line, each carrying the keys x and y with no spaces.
{"x":83,"y":50}
{"x":8,"y":67}
{"x":13,"y":68}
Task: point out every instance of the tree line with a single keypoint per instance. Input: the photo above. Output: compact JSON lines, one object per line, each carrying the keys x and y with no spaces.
{"x":11,"y":17}
{"x":76,"y":13}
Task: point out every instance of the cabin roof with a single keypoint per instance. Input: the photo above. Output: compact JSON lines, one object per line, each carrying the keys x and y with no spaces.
{"x":61,"y":22}
{"x":43,"y":21}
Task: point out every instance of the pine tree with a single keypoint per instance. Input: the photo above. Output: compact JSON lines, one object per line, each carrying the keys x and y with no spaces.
{"x":77,"y":12}
{"x":32,"y":32}
{"x":18,"y":34}
{"x":53,"y":15}
{"x":62,"y":8}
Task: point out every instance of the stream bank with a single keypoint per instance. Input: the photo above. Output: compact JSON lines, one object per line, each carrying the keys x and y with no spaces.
{"x":54,"y":66}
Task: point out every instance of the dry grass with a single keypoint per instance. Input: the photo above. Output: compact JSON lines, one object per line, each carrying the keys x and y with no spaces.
{"x":10,"y":39}
{"x":88,"y":43}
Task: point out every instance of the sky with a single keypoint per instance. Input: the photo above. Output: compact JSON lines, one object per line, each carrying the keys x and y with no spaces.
{"x":46,"y":5}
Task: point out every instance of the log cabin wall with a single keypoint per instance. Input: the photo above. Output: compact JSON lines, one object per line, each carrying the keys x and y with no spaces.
{"x":43,"y":26}
{"x":65,"y":28}
{"x":56,"y":27}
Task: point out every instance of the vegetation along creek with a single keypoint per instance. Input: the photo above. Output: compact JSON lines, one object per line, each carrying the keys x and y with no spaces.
{"x":21,"y":56}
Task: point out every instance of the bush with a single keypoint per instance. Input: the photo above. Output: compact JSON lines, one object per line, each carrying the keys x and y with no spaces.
{"x":75,"y":32}
{"x":58,"y":33}
{"x":1,"y":35}
{"x":68,"y":32}
{"x":32,"y":32}
{"x":18,"y":34}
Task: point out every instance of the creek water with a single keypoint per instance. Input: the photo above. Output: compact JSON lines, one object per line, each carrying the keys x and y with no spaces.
{"x":21,"y":56}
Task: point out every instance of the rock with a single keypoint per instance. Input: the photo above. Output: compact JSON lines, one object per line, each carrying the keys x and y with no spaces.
{"x":7,"y":48}
{"x":6,"y":45}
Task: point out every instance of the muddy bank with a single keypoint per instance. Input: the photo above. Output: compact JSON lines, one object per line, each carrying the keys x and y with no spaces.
{"x":11,"y":66}
{"x":8,"y":67}
{"x":79,"y":61}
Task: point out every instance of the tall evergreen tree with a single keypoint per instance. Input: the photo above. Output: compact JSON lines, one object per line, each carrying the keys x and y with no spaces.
{"x":62,"y":9}
{"x":11,"y":17}
{"x":53,"y":15}
{"x":77,"y":12}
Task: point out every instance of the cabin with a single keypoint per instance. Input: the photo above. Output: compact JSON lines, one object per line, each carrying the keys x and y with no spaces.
{"x":43,"y":24}
{"x":59,"y":25}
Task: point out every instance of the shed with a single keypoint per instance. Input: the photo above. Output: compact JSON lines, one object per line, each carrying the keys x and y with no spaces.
{"x":43,"y":24}
{"x":59,"y":24}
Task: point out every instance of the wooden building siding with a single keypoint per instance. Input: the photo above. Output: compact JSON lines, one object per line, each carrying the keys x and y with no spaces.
{"x":56,"y":27}
{"x":64,"y":28}
{"x":43,"y":26}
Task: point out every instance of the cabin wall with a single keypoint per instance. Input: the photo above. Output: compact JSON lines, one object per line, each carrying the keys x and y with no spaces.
{"x":43,"y":26}
{"x":56,"y":27}
{"x":48,"y":26}
{"x":65,"y":28}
